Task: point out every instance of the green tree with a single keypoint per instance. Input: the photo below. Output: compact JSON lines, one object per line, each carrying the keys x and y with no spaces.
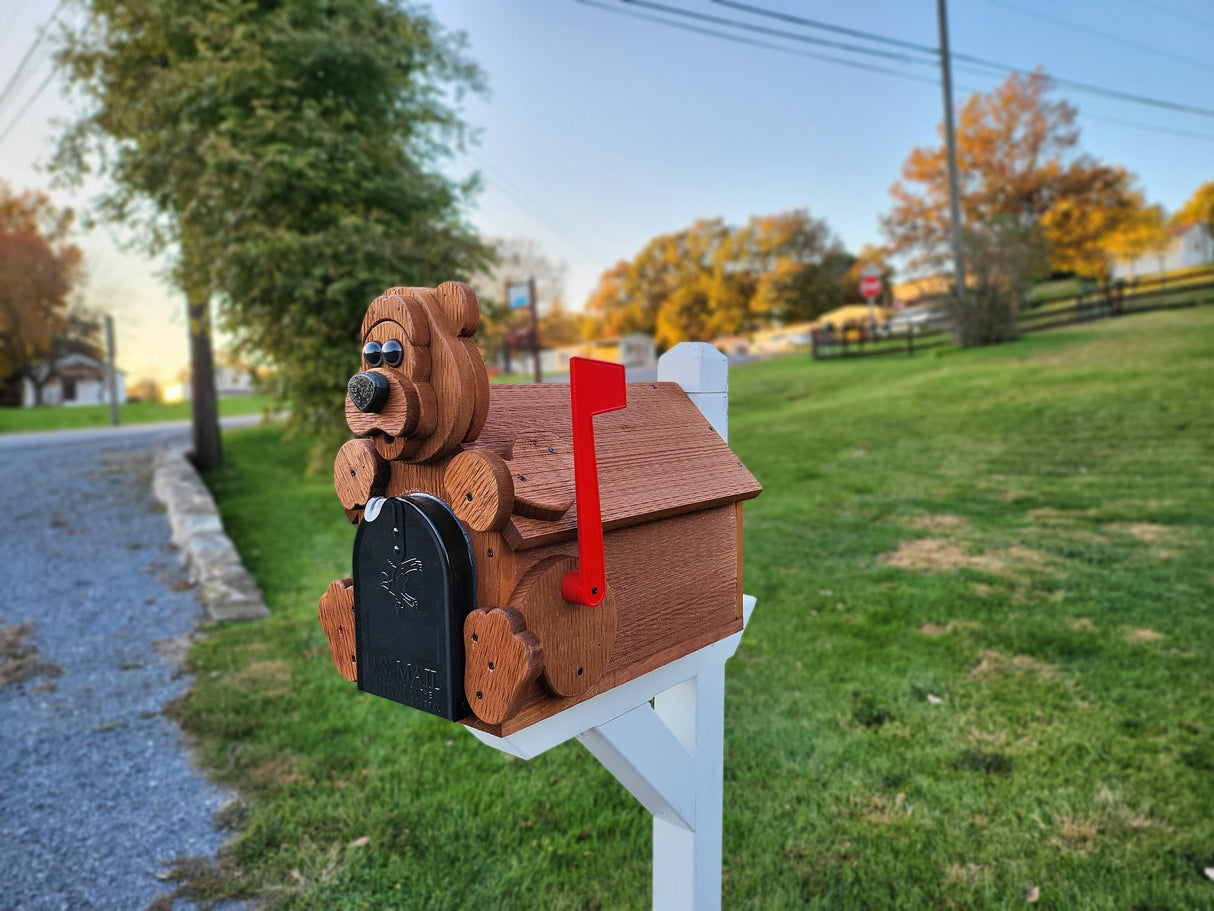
{"x":288,"y":153}
{"x":797,"y":267}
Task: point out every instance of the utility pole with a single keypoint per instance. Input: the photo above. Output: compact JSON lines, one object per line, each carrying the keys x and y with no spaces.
{"x":535,"y":330}
{"x":111,"y":371}
{"x":950,"y":139}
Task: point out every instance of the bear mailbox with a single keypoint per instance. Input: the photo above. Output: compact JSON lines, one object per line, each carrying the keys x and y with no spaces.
{"x":515,"y":553}
{"x":547,"y":561}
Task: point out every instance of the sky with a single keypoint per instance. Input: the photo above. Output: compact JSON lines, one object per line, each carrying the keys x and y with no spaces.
{"x":602,"y":129}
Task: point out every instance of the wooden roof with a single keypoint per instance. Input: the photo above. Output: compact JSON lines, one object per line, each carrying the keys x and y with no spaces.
{"x":657,"y":457}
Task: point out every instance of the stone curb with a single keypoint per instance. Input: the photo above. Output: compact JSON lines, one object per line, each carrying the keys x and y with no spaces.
{"x":227,"y":590}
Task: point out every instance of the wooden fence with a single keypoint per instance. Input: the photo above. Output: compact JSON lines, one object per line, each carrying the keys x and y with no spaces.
{"x":1194,"y":288}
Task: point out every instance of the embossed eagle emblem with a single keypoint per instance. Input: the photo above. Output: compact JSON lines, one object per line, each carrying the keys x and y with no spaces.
{"x":396,"y":579}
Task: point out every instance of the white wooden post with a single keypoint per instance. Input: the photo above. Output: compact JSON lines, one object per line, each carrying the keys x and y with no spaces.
{"x":669,"y":755}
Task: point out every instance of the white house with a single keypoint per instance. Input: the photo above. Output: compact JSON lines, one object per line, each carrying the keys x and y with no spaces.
{"x":79,"y":380}
{"x":1188,"y":245}
{"x":228,"y":381}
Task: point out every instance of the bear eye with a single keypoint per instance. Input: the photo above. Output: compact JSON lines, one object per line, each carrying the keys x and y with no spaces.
{"x":373,"y":354}
{"x":394,"y":353}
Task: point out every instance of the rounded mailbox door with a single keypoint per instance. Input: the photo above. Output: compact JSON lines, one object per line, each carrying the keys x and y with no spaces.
{"x":414,"y":584}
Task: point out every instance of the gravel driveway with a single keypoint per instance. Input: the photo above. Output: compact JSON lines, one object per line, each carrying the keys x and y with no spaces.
{"x":96,"y":792}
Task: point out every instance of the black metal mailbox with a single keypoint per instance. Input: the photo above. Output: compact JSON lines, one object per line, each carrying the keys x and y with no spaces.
{"x":414,"y":585}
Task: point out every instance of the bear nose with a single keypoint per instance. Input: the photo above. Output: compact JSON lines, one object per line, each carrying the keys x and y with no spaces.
{"x":368,"y":391}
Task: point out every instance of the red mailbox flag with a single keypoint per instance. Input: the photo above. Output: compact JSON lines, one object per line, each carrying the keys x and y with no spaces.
{"x":595,"y":387}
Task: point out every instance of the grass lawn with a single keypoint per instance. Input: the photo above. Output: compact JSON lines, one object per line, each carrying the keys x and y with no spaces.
{"x":980,"y":662}
{"x":59,"y":417}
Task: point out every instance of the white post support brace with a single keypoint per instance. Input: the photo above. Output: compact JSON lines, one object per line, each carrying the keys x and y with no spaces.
{"x":669,"y":755}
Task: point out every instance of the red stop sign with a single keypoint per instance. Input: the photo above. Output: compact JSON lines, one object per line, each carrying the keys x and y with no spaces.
{"x":870,"y":286}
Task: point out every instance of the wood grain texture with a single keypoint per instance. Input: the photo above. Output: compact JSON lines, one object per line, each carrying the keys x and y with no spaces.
{"x":738,"y":522}
{"x":461,"y":309}
{"x":359,"y":473}
{"x":495,"y":575}
{"x":406,"y":477}
{"x":453,"y":380}
{"x":400,"y":306}
{"x":393,"y":448}
{"x":501,"y":657}
{"x":577,"y":640}
{"x":675,"y":587}
{"x":336,"y":611}
{"x":399,"y":414}
{"x":479,"y":489}
{"x":482,"y":395}
{"x":541,"y":465}
{"x":657,"y":458}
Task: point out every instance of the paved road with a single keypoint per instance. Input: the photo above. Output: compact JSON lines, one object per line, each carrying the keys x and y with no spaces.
{"x":147,"y":434}
{"x":96,"y":792}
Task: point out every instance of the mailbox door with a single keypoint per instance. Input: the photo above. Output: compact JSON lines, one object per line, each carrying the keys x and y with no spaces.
{"x":414,"y":585}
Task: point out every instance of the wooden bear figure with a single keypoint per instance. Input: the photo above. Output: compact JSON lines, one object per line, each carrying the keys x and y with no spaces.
{"x":464,"y":496}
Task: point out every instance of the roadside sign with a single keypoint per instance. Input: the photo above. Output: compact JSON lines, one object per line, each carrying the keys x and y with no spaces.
{"x":518,"y":295}
{"x":870,"y":284}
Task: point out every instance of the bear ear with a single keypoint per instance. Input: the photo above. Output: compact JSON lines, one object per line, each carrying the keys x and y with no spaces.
{"x":401,"y":306}
{"x":460,"y":308}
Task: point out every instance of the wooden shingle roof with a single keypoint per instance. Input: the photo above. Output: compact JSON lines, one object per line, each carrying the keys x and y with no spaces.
{"x":658,"y":457}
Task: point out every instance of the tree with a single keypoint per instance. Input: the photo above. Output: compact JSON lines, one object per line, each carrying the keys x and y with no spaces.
{"x":1088,"y":231}
{"x":1017,"y":161}
{"x":665,"y":290}
{"x":1199,"y":208}
{"x":1003,"y":258}
{"x":797,"y":267}
{"x":712,"y":279}
{"x":288,"y":154}
{"x":38,"y":266}
{"x":559,"y":327}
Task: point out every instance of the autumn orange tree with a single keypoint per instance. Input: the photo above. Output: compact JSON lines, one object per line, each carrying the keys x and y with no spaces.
{"x":38,"y":265}
{"x":1018,"y":164}
{"x":1199,"y":208}
{"x":711,"y":279}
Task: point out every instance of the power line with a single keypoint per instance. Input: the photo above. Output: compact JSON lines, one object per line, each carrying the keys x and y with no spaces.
{"x":1208,"y":23}
{"x":750,"y":42}
{"x":524,"y":200}
{"x":1073,"y":84}
{"x":29,"y":52}
{"x":862,"y":66}
{"x":831,"y":27}
{"x":29,"y":101}
{"x":1152,"y":127}
{"x":21,"y":79}
{"x":758,"y":29}
{"x":12,"y":21}
{"x":1088,"y":31}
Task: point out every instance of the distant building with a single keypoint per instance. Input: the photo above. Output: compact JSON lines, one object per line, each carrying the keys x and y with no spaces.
{"x":635,"y":351}
{"x":229,"y":381}
{"x":930,"y":289}
{"x":781,"y":340}
{"x":79,"y":379}
{"x":851,"y":315}
{"x":1188,"y":245}
{"x":914,"y":316}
